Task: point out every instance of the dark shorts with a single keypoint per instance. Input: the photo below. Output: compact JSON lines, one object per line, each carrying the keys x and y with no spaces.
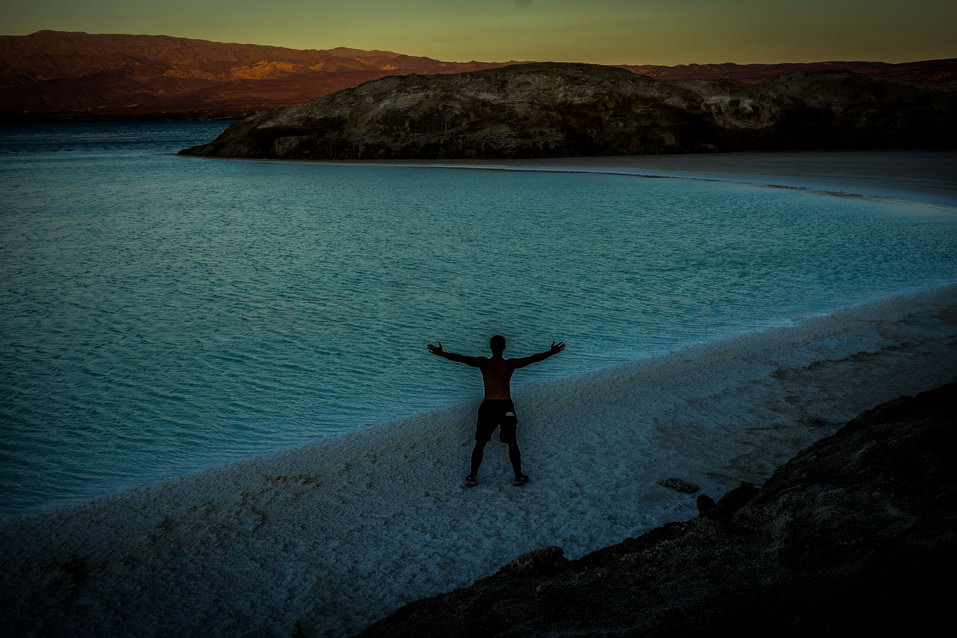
{"x":492,"y":414}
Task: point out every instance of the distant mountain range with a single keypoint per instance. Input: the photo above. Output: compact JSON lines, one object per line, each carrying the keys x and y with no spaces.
{"x":66,"y":75}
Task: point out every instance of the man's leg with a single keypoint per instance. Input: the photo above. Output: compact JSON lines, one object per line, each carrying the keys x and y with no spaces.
{"x":477,"y":455}
{"x":515,"y":456}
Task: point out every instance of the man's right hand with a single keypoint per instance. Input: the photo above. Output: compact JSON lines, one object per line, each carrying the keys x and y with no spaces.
{"x":556,"y":347}
{"x":436,"y":349}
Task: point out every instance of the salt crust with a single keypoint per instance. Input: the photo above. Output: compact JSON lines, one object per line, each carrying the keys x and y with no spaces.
{"x":927,"y":178}
{"x":343,"y":531}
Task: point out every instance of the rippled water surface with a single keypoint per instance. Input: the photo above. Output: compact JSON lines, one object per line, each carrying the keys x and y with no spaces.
{"x":162,"y":314}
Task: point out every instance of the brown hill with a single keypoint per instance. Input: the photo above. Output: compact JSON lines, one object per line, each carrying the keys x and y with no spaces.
{"x":62,"y":75}
{"x":564,"y":110}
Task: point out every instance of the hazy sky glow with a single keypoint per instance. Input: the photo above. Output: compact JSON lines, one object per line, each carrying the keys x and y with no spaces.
{"x":601,"y":31}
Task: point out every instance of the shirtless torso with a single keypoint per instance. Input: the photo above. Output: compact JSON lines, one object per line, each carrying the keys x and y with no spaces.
{"x":496,"y":374}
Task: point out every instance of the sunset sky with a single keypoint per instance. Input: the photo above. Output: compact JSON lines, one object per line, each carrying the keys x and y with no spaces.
{"x":600,"y":31}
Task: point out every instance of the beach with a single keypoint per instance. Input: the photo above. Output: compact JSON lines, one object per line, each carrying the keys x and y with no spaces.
{"x":334,"y":535}
{"x":927,"y":177}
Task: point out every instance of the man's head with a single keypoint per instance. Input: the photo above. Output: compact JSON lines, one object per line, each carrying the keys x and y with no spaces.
{"x":497,"y":344}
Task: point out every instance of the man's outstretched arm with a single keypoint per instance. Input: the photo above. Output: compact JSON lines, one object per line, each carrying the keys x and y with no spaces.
{"x":521,"y":362}
{"x":475,"y":362}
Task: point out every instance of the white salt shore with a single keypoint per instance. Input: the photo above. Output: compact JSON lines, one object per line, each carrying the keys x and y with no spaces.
{"x":924,"y":177}
{"x":341,"y":532}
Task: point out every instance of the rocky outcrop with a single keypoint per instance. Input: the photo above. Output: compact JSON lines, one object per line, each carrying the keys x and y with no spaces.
{"x":856,"y":535}
{"x":563,"y":110}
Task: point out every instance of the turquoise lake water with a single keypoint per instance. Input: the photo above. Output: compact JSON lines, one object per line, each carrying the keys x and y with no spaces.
{"x":163,"y":314}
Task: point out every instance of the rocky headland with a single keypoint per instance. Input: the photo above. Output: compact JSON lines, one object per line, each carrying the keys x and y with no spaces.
{"x":568,"y":110}
{"x":856,"y":535}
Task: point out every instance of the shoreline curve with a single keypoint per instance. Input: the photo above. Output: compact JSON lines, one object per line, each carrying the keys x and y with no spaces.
{"x":938,"y":190}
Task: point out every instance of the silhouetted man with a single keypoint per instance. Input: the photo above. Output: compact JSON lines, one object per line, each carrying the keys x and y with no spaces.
{"x":497,"y":409}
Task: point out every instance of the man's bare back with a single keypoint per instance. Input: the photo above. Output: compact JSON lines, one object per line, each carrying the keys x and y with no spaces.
{"x":497,"y":408}
{"x":496,"y":374}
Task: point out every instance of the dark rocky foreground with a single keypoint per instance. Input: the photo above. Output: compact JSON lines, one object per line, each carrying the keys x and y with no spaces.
{"x":567,"y":110}
{"x":855,"y":535}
